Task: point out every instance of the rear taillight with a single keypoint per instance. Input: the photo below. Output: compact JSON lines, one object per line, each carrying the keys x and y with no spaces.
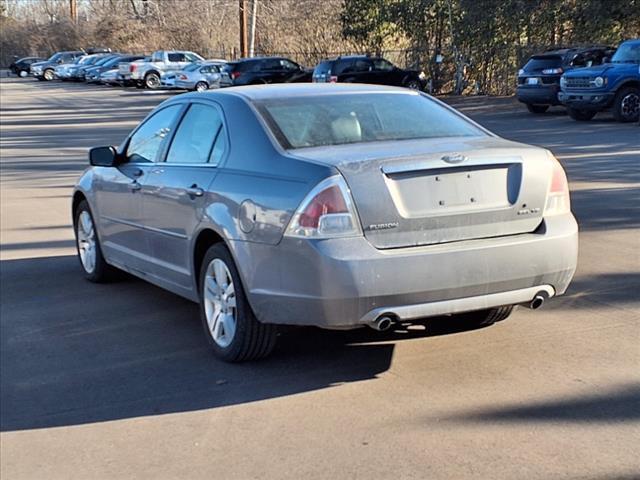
{"x":133,"y":67}
{"x":552,"y":71}
{"x":235,"y":75}
{"x":183,"y":77}
{"x":326,"y":212}
{"x":558,"y":201}
{"x":333,"y":79}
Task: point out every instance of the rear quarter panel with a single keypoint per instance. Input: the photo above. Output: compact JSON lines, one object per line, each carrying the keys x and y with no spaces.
{"x":258,"y":186}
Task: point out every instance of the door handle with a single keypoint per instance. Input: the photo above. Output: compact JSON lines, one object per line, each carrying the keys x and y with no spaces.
{"x":195,"y":191}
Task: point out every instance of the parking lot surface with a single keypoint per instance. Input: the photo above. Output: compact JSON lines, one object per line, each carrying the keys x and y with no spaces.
{"x":116,"y":380}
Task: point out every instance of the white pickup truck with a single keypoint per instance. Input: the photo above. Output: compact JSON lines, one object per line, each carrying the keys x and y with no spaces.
{"x":147,"y":74}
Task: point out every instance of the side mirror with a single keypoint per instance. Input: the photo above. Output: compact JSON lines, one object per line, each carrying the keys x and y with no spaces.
{"x":103,"y":156}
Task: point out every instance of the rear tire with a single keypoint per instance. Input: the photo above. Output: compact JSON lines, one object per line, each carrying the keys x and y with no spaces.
{"x":152,"y":81}
{"x":412,"y":84}
{"x":484,"y":318}
{"x":201,"y":87}
{"x":626,"y":106}
{"x":537,"y":108}
{"x":231,"y":328}
{"x":581,"y":115}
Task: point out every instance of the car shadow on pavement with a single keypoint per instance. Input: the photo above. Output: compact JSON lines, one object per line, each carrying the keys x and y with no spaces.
{"x":72,"y":352}
{"x":620,"y":404}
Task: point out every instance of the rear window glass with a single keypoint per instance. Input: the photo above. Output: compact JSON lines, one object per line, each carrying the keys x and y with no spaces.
{"x":323,"y":67}
{"x":540,"y":63}
{"x":313,"y":121}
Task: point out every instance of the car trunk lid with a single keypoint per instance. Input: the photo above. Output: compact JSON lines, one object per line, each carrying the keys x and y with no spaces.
{"x":425,"y":192}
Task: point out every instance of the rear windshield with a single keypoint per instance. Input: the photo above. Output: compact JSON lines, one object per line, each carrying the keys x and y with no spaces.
{"x":540,"y":63}
{"x":313,"y":121}
{"x":323,"y":67}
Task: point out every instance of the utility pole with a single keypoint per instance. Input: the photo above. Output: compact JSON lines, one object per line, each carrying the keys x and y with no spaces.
{"x":73,"y":10}
{"x":243,"y":28}
{"x":252,"y":36}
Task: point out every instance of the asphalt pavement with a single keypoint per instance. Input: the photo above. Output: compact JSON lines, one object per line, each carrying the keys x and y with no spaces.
{"x":116,"y":380}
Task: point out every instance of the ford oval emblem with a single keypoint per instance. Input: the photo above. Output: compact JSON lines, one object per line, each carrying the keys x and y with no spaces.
{"x":454,"y":158}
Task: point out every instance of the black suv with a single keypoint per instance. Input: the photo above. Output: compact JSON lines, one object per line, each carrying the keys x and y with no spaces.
{"x":260,"y":70}
{"x":364,"y":69}
{"x":539,"y":78}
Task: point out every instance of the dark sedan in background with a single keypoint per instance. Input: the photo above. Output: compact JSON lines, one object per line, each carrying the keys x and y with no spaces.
{"x":539,"y":78}
{"x":364,"y":69}
{"x":22,"y":67}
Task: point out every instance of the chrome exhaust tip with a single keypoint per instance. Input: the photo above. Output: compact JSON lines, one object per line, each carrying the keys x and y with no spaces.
{"x":537,"y":302}
{"x":382,"y":323}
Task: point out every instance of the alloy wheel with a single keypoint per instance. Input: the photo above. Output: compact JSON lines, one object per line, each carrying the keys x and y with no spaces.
{"x":152,"y":81}
{"x":48,"y":75}
{"x":220,"y":302}
{"x":630,"y":106}
{"x":201,"y":87}
{"x":413,"y":85}
{"x":86,"y":238}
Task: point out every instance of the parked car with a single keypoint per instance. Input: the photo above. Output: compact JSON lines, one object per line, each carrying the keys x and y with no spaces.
{"x":110,"y":77}
{"x":322,"y":205}
{"x":46,"y":70}
{"x":364,"y":69}
{"x":125,"y":68}
{"x":67,"y":71}
{"x":76,"y":72}
{"x":22,"y":67}
{"x":261,"y":70}
{"x":92,"y":75}
{"x":614,"y":85}
{"x":539,"y":78}
{"x":147,"y":74}
{"x":198,"y":77}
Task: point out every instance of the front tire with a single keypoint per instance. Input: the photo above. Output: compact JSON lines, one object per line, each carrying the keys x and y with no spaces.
{"x":231,"y":328}
{"x":537,"y":108}
{"x":581,"y":115}
{"x":88,"y":246}
{"x":626,"y":106}
{"x":48,"y":75}
{"x":484,"y":318}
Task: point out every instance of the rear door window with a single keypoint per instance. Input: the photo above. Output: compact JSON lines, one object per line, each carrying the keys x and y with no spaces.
{"x":177,"y":57}
{"x":362,"y":65}
{"x":147,"y":143}
{"x":197,"y":138}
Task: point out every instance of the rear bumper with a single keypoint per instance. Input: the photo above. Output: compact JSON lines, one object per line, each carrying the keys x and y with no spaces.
{"x":538,"y":94}
{"x":347,"y":282}
{"x":586,"y":100}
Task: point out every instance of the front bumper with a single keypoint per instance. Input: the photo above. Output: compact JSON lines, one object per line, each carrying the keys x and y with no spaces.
{"x":345,"y":283}
{"x":538,"y":94}
{"x":184,"y":84}
{"x":586,"y":100}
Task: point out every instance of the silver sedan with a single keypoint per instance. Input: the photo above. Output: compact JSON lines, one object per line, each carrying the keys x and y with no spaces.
{"x":338,"y":206}
{"x":198,"y":77}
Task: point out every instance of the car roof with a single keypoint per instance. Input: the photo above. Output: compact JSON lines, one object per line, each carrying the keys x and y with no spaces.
{"x":633,"y":41}
{"x":292,"y":90}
